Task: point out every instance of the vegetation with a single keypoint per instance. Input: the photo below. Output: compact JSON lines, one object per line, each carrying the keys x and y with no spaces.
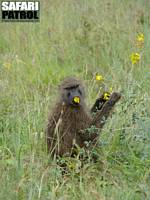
{"x":86,"y":39}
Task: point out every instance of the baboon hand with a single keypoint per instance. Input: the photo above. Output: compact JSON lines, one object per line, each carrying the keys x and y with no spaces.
{"x":114,"y":98}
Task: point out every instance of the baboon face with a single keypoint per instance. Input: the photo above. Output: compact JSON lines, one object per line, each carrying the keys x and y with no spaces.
{"x":72,"y":92}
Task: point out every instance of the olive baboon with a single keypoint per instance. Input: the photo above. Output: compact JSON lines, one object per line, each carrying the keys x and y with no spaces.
{"x":70,"y":122}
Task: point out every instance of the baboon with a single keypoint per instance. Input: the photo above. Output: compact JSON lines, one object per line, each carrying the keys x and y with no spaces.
{"x":70,"y":123}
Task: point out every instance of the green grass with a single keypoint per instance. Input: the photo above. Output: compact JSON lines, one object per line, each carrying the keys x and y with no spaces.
{"x":75,"y":38}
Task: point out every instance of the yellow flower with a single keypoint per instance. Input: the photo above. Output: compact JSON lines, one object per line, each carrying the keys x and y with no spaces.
{"x":76,"y":99}
{"x":7,"y":65}
{"x":135,"y":58}
{"x":106,"y":96}
{"x":99,"y":77}
{"x":140,"y":38}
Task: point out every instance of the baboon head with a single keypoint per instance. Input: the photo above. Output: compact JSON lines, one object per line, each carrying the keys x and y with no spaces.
{"x":72,"y":92}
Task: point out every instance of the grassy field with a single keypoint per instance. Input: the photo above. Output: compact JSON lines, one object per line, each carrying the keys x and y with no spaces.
{"x":81,"y":38}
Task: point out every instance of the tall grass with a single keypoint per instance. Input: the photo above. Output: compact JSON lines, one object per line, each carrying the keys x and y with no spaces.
{"x":82,"y":38}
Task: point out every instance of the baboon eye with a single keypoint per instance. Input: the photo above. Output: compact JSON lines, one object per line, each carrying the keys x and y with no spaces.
{"x":68,"y":94}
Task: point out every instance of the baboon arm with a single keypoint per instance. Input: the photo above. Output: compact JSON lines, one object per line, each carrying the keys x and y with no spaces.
{"x":99,"y":119}
{"x":101,"y":116}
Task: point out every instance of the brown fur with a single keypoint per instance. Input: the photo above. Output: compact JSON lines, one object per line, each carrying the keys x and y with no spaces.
{"x":68,"y":125}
